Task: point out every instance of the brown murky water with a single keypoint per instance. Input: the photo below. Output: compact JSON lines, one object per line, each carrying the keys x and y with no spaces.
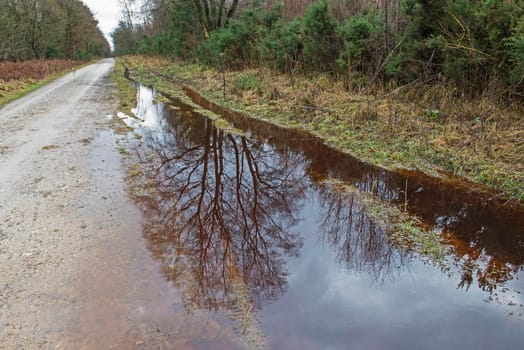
{"x":244,"y":225}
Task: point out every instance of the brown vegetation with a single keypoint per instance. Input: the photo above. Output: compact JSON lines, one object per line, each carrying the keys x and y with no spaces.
{"x":19,"y":78}
{"x":33,"y":69}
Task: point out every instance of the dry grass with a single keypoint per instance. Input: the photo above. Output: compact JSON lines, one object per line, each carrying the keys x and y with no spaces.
{"x":425,"y":127}
{"x":7,"y":87}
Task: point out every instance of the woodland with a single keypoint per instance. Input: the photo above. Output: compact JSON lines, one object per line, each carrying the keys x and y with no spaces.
{"x":476,"y":46}
{"x":49,"y":29}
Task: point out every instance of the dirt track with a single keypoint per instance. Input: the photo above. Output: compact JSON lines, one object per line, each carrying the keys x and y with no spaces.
{"x":57,"y":203}
{"x":74,"y":270}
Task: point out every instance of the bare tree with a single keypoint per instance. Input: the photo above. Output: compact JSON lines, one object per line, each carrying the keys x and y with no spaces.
{"x":215,"y":13}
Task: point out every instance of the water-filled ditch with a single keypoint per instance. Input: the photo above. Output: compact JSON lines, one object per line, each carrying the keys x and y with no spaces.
{"x":283,"y":235}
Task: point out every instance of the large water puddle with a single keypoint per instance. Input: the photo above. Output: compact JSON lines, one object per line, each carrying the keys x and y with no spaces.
{"x":283,"y":236}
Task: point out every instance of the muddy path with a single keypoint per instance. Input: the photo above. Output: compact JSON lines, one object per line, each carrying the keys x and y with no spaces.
{"x":75,"y":272}
{"x":61,"y":203}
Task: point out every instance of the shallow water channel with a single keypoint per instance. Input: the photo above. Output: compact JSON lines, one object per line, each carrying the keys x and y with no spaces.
{"x":280,"y":234}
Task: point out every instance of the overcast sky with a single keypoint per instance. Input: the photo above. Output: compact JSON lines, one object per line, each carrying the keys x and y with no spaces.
{"x":107,"y":12}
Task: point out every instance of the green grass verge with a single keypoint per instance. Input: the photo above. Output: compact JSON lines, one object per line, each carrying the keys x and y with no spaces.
{"x":126,"y":90}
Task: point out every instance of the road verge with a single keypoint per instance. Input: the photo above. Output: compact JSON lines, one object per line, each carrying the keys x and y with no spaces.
{"x":393,"y":131}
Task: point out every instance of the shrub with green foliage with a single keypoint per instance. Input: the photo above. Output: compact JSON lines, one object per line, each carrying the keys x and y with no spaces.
{"x":320,"y":38}
{"x":182,"y":28}
{"x":475,"y":45}
{"x":51,"y":51}
{"x":281,"y":46}
{"x":83,"y":55}
{"x":236,"y":45}
{"x":222,"y":43}
{"x":310,"y":42}
{"x":361,"y":35}
{"x":465,"y":40}
{"x":515,"y":47}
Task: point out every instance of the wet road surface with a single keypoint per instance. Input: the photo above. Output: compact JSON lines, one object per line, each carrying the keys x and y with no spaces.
{"x":75,"y":272}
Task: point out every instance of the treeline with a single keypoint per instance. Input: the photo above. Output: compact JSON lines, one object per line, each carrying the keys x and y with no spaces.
{"x":32,"y":29}
{"x":476,"y":46}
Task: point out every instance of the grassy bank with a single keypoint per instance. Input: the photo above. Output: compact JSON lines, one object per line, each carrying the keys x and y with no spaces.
{"x":20,"y":78}
{"x":403,"y":229}
{"x":423,"y":128}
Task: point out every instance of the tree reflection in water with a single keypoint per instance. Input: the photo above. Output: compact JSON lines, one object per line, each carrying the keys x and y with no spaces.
{"x":223,"y":207}
{"x":360,"y":244}
{"x":223,"y":211}
{"x":474,"y":264}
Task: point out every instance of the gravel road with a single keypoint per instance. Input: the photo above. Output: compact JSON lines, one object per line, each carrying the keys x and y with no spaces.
{"x":75,"y":272}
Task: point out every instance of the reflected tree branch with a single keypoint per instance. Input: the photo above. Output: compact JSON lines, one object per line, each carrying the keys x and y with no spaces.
{"x":224,"y":212}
